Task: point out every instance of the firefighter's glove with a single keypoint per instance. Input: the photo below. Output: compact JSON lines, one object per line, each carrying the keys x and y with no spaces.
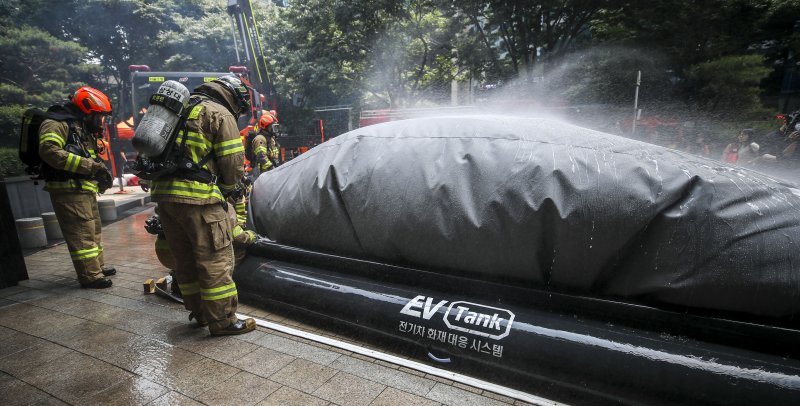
{"x":103,"y":178}
{"x":251,"y":236}
{"x":97,"y":167}
{"x":236,"y":193}
{"x":153,"y":225}
{"x":247,"y":181}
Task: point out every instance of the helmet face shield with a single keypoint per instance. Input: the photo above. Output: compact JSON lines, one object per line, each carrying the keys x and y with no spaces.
{"x":239,"y":91}
{"x":94,"y":122}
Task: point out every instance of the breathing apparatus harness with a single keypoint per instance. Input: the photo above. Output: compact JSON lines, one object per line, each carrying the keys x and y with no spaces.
{"x":175,"y":162}
{"x":169,"y":158}
{"x":73,"y":145}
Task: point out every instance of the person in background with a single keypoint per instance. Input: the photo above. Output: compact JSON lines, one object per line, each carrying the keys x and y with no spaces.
{"x":259,"y":144}
{"x":742,"y":151}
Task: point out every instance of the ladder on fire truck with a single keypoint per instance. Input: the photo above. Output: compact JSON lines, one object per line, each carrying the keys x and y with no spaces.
{"x":247,"y":38}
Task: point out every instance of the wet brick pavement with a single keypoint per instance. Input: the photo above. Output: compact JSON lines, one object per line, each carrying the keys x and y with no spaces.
{"x":62,"y":344}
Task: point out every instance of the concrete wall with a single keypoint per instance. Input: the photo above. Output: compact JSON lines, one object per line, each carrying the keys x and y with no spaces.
{"x":26,"y":198}
{"x":12,"y":264}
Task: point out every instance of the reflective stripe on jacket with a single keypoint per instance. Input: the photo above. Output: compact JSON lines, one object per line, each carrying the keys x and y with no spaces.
{"x":53,"y":137}
{"x":274,"y":153}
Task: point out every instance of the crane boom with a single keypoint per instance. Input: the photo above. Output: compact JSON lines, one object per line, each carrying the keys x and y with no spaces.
{"x":246,"y":32}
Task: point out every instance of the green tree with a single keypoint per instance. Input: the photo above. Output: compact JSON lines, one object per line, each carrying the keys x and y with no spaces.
{"x":728,"y":86}
{"x":199,"y":40}
{"x":380,"y":53}
{"x":413,"y":61}
{"x":606,"y":75}
{"x":701,"y":39}
{"x":519,"y":36}
{"x":117,"y":33}
{"x":37,"y":70}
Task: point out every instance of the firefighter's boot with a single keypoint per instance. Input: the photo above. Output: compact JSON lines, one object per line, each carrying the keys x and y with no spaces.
{"x":240,"y":327}
{"x":101,"y":283}
{"x":109,"y":271}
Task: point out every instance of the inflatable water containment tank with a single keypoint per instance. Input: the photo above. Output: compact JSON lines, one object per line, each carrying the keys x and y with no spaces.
{"x":558,"y":259}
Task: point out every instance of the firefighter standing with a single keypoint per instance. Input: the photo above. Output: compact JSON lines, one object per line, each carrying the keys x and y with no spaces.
{"x":70,"y":167}
{"x":193,"y":210}
{"x":273,"y":148}
{"x":261,"y":149}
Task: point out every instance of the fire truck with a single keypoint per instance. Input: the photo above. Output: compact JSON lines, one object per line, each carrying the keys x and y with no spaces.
{"x":251,"y":68}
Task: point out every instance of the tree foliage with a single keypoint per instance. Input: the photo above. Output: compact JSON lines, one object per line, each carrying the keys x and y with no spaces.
{"x":37,"y":70}
{"x":519,"y":35}
{"x":382,"y":53}
{"x":728,"y":85}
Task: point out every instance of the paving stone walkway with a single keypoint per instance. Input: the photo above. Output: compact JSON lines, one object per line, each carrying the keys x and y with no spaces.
{"x":62,"y":344}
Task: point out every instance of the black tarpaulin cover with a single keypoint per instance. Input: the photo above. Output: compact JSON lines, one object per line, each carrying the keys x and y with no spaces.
{"x":543,"y":204}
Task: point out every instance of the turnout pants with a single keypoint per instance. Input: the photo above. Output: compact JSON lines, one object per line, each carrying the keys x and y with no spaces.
{"x":79,"y":219}
{"x":199,"y":237}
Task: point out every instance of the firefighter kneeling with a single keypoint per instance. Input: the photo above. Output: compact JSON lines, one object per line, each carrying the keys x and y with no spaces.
{"x":194,"y":213}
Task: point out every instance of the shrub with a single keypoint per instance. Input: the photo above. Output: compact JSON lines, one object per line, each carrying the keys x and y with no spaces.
{"x":10,"y":165}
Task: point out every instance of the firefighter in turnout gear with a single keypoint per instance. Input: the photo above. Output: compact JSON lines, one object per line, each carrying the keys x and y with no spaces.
{"x":195,"y":214}
{"x":259,"y":143}
{"x":70,"y":167}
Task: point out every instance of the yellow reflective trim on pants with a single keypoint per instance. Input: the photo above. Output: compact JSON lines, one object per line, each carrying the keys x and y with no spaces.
{"x":218,"y":296}
{"x":88,"y":253}
{"x":192,"y":288}
{"x":231,"y":285}
{"x":218,"y":293}
{"x":52,"y":137}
